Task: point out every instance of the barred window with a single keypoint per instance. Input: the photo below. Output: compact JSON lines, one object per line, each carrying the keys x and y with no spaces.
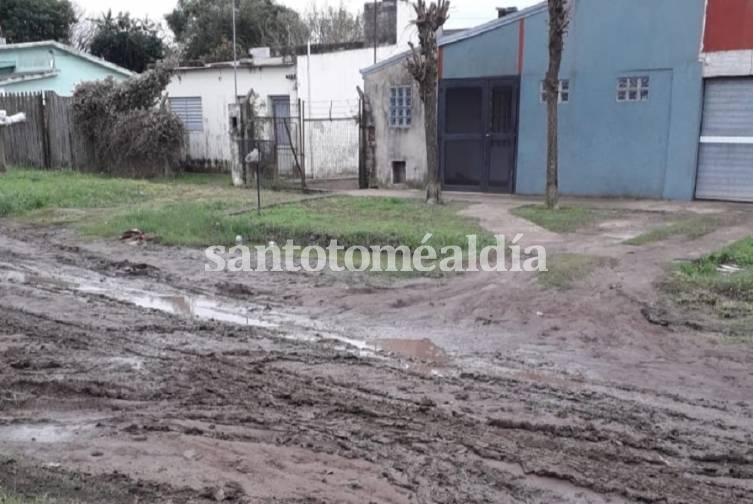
{"x":633,"y":89}
{"x":563,"y":92}
{"x":401,"y":105}
{"x":189,"y":111}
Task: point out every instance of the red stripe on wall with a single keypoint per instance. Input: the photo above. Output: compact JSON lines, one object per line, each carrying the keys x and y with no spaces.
{"x":729,"y":25}
{"x":521,"y":44}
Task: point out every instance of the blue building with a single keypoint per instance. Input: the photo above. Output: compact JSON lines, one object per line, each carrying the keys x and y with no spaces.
{"x":51,"y":66}
{"x":631,"y":96}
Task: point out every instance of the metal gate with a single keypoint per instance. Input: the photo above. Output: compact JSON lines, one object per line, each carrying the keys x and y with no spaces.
{"x":725,"y":161}
{"x":478,"y":126}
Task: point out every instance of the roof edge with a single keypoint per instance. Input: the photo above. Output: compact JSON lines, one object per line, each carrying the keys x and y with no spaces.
{"x":70,"y":50}
{"x":395,"y":58}
{"x":492,"y":25}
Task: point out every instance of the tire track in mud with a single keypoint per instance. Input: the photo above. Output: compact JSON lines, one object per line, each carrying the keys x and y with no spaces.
{"x":432,"y":445}
{"x":457,"y":436}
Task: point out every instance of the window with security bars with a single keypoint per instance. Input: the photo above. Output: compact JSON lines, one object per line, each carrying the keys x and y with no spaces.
{"x":633,"y":89}
{"x":563,"y":95}
{"x":401,"y":104}
{"x":189,"y":111}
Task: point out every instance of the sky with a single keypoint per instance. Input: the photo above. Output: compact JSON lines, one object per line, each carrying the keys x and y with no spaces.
{"x":463,"y":13}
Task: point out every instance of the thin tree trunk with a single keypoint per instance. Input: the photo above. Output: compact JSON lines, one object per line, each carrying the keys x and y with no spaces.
{"x":552,"y":158}
{"x":434,"y":185}
{"x":558,"y":20}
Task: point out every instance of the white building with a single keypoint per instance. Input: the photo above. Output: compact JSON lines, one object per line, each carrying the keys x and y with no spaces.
{"x":204,"y":98}
{"x":324,"y":77}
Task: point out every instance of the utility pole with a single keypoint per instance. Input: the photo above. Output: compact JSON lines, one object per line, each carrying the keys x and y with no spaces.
{"x":376,"y":20}
{"x":235,"y":56}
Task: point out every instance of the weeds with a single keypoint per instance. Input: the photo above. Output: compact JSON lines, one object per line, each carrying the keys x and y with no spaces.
{"x":566,"y":269}
{"x":691,"y":228}
{"x":564,"y":220}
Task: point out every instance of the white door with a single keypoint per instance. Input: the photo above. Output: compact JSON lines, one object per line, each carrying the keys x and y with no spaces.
{"x":725,"y":163}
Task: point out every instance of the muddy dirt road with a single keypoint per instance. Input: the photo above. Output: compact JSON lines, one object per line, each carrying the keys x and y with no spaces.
{"x":127,"y":375}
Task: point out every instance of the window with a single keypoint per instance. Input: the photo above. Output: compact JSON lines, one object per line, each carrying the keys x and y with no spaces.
{"x":189,"y":111}
{"x":633,"y":89}
{"x":401,"y":104}
{"x":563,"y":92}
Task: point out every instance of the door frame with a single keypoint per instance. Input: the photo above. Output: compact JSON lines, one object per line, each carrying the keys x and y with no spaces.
{"x":486,"y":84}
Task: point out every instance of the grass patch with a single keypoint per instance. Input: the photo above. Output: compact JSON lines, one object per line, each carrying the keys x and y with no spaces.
{"x":691,"y":228}
{"x":43,"y":196}
{"x":564,"y":220}
{"x":566,"y":269}
{"x":349,"y":220}
{"x":22,"y":191}
{"x":6,"y":497}
{"x":728,"y":296}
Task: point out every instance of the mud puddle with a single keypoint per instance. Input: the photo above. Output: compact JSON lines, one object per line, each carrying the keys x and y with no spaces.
{"x":423,"y":349}
{"x":166,"y":299}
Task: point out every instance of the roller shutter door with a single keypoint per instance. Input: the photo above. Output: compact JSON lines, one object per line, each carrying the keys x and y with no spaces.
{"x":725,"y":163}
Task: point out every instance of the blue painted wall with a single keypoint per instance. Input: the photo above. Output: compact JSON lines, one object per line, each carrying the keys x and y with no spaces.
{"x":473,"y":59}
{"x":72,"y":69}
{"x":607,"y":148}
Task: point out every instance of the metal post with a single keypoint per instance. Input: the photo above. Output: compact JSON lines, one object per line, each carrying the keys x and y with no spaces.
{"x":258,"y":187}
{"x":235,"y":57}
{"x":376,"y":19}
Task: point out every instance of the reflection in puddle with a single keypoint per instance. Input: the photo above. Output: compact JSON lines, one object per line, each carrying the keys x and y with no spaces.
{"x":422,"y":349}
{"x":180,"y":304}
{"x":36,"y":433}
{"x":167,"y":300}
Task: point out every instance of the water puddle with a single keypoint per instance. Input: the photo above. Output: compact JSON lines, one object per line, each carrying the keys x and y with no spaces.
{"x":35,"y":433}
{"x":422,"y":349}
{"x":166,"y":299}
{"x":174,"y":302}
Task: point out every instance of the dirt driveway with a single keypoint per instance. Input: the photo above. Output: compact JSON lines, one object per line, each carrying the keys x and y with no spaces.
{"x":130,"y":375}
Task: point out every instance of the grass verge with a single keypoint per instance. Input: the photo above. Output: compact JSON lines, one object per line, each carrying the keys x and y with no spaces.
{"x":690,"y":228}
{"x":566,"y":219}
{"x":45,"y":196}
{"x":566,"y":269}
{"x":726,"y":295}
{"x":349,"y":220}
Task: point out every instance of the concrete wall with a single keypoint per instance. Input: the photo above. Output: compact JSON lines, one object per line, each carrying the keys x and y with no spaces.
{"x":215,"y":86}
{"x":396,"y":144}
{"x":71,"y":70}
{"x":635,"y":149}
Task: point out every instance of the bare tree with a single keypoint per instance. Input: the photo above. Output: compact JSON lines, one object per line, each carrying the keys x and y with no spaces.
{"x":83,"y":31}
{"x":423,"y":66}
{"x":333,"y":25}
{"x":559,"y":18}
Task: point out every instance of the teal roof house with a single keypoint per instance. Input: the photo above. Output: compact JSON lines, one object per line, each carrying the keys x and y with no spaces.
{"x":51,"y":66}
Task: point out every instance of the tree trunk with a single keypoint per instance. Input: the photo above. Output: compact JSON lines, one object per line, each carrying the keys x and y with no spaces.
{"x":434,"y":185}
{"x":558,"y":19}
{"x":552,"y":159}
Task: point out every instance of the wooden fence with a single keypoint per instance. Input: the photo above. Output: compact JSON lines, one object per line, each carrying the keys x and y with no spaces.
{"x":49,"y":138}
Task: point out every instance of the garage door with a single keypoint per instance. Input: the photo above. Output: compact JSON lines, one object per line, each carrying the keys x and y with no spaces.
{"x":725,"y":164}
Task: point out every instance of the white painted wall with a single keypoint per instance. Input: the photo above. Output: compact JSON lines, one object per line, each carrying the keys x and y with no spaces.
{"x":335,"y":75}
{"x":727,"y":63}
{"x":215,"y":86}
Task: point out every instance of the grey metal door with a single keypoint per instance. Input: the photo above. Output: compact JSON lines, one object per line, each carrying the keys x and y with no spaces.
{"x":478,"y":122}
{"x":725,"y":160}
